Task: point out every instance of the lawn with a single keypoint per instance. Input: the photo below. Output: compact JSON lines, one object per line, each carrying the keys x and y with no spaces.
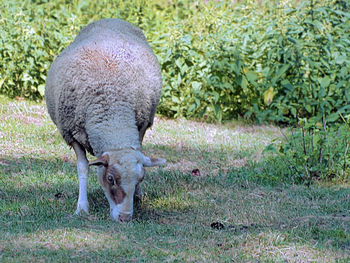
{"x":220,"y":214}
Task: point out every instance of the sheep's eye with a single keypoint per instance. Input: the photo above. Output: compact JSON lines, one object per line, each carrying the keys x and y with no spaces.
{"x":110,"y":179}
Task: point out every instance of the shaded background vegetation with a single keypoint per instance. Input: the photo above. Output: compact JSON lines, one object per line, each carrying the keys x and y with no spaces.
{"x":273,"y":61}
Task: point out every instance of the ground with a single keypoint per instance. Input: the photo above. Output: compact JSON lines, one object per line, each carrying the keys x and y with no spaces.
{"x":206,"y":205}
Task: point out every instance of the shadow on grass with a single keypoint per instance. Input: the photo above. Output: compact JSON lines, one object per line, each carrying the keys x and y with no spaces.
{"x":51,"y":253}
{"x":38,"y":195}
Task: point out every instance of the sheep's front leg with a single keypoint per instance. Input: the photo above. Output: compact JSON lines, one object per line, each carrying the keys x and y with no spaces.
{"x":83,"y":171}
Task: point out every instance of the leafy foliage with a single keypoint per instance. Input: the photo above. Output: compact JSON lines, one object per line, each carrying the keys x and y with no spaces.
{"x":307,"y":66}
{"x":314,"y":152}
{"x":274,"y":63}
{"x":269,"y":62}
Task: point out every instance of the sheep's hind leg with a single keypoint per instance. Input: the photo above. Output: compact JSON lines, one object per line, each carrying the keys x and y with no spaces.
{"x":138,"y":195}
{"x":83,"y":171}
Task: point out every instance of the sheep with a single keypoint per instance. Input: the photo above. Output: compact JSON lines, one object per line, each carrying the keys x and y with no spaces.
{"x":102,"y":92}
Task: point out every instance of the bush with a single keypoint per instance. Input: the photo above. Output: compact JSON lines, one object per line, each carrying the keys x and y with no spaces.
{"x":274,"y":64}
{"x":270,"y":62}
{"x":29,"y":40}
{"x":306,"y":70}
{"x":315,"y":152}
{"x":33,"y":32}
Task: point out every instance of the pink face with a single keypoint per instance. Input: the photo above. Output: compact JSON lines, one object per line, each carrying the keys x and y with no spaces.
{"x":119,"y":176}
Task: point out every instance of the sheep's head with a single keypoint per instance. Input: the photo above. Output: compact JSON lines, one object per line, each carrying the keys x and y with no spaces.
{"x":120,"y":173}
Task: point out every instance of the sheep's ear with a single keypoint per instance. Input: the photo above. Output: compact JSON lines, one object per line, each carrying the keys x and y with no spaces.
{"x":150,"y":162}
{"x":102,"y":160}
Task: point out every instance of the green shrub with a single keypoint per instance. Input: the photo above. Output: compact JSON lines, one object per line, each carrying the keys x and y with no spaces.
{"x":270,"y":62}
{"x":315,"y":152}
{"x":267,"y":64}
{"x":306,"y":65}
{"x":32,"y":33}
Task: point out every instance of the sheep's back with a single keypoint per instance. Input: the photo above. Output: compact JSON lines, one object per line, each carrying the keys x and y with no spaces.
{"x":108,"y":64}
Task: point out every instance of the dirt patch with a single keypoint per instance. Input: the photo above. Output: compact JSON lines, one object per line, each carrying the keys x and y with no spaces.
{"x":30,"y":120}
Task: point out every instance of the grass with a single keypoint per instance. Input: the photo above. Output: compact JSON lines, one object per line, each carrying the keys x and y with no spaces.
{"x":223,"y":215}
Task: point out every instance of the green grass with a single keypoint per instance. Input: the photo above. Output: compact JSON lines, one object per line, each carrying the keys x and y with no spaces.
{"x":258,"y":220}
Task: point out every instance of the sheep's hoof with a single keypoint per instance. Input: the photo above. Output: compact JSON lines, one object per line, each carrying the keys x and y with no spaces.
{"x":82,"y":210}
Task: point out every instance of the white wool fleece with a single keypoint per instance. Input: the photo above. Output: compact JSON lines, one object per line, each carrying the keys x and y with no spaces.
{"x":104,"y":88}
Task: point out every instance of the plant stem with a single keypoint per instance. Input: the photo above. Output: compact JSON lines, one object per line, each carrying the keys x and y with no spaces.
{"x":307,"y":172}
{"x":345,"y":153}
{"x":324,"y":138}
{"x":304,"y":145}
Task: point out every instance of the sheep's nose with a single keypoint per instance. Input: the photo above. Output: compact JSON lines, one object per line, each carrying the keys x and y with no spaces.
{"x":124,"y":217}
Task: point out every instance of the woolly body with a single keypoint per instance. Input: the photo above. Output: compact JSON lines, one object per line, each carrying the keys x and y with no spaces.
{"x":102,"y":91}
